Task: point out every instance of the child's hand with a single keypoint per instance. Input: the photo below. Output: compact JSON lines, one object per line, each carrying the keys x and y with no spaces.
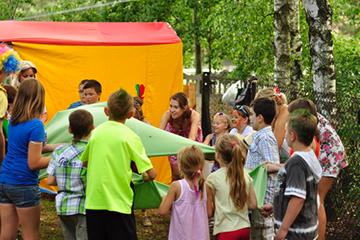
{"x":146,"y":177}
{"x":281,"y":234}
{"x":266,"y":210}
{"x":272,"y":167}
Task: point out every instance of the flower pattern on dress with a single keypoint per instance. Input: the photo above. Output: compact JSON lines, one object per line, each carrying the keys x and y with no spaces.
{"x":332,"y":151}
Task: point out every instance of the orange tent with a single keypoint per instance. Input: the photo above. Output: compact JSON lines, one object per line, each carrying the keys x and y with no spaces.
{"x":115,"y":54}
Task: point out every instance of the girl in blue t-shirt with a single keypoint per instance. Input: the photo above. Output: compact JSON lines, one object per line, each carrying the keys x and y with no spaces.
{"x":19,"y":191}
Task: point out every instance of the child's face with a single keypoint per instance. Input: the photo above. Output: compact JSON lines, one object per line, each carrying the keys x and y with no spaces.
{"x":238,"y":120}
{"x":175,"y":110}
{"x":255,"y":120}
{"x":219,"y":125}
{"x":91,"y":96}
{"x":290,"y":136}
{"x":26,"y":74}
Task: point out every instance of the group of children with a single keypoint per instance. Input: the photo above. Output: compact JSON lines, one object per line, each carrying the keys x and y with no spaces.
{"x":97,"y":165}
{"x":291,"y":199}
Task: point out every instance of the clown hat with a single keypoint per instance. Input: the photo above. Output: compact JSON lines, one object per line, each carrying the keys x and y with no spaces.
{"x":9,"y":59}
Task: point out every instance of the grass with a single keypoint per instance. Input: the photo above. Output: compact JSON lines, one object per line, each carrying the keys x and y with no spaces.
{"x":50,"y":226}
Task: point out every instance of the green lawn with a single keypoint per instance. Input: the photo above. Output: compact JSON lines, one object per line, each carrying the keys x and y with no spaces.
{"x":50,"y":226}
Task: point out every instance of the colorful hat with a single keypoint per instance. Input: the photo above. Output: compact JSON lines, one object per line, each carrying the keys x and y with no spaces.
{"x":9,"y":59}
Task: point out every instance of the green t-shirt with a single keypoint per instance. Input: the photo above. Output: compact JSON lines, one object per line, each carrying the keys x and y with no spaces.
{"x":109,"y":153}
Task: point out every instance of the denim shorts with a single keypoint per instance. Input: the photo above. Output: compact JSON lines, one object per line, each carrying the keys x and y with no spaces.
{"x":21,"y":196}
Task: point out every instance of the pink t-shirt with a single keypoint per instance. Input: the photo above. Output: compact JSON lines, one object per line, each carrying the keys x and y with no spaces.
{"x":189,"y":219}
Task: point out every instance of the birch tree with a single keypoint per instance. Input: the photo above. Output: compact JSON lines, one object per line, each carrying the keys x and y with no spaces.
{"x":282,"y":43}
{"x":319,"y":18}
{"x":295,"y":48}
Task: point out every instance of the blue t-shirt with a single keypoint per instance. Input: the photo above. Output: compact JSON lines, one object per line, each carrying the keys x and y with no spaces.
{"x":15,"y":169}
{"x":75,"y":104}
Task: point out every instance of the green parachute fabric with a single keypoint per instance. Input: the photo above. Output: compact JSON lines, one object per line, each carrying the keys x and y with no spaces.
{"x":149,"y":194}
{"x":259,"y":176}
{"x":157,"y":142}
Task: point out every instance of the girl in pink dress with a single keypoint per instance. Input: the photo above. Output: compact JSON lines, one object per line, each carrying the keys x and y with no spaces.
{"x":181,"y":120}
{"x":186,"y":199}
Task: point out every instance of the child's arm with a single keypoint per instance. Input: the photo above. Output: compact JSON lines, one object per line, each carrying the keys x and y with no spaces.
{"x":149,"y":175}
{"x":294,"y":207}
{"x":273,"y":167}
{"x":35,"y":160}
{"x":208,"y":139}
{"x":252,"y":202}
{"x":210,"y":204}
{"x":171,"y":196}
{"x":51,"y":180}
{"x":195,"y":121}
{"x":50,"y":147}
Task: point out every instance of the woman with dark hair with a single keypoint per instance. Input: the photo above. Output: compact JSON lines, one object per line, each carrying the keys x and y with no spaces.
{"x":181,"y":120}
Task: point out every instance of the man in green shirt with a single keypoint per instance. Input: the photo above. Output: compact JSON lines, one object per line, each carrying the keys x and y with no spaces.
{"x":110,"y":150}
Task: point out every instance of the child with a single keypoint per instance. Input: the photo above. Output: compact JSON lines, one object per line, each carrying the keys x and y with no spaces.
{"x":295,"y":204}
{"x":82,"y":96}
{"x":92,"y":91}
{"x":221,"y":125}
{"x":241,"y":120}
{"x":27,"y":70}
{"x":9,"y":63}
{"x":186,"y":199}
{"x":230,"y":181}
{"x":263,"y":149}
{"x":108,"y":155}
{"x":19,"y":173}
{"x":67,"y":172}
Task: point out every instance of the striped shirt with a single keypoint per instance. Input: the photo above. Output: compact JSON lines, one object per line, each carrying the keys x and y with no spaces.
{"x":264,"y":148}
{"x":299,"y":179}
{"x":70,"y":175}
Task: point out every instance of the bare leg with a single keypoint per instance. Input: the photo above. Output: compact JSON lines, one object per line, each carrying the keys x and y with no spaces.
{"x":29,"y":219}
{"x":323,"y":189}
{"x":9,"y":220}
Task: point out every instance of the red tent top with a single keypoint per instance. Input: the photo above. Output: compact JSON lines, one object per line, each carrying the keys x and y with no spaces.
{"x":88,"y":33}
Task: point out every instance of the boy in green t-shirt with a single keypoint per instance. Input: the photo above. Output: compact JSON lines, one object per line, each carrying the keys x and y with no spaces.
{"x":109,"y":153}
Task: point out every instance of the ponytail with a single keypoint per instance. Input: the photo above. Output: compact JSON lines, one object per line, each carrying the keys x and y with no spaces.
{"x":192,"y":161}
{"x":231,"y":152}
{"x":236,"y":178}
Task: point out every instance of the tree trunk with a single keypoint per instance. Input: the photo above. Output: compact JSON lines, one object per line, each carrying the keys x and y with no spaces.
{"x":281,"y":43}
{"x":319,"y":17}
{"x":198,"y":62}
{"x":296,"y":50}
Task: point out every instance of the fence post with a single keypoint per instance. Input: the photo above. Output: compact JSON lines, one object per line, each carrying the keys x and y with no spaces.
{"x":205,"y":99}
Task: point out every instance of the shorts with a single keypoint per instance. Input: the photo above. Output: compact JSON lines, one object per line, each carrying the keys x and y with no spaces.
{"x":109,"y":225}
{"x":74,"y":227}
{"x":241,"y":234}
{"x":22,"y":196}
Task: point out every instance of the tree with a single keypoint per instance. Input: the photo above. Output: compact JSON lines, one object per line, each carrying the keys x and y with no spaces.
{"x":282,"y":43}
{"x":319,"y":18}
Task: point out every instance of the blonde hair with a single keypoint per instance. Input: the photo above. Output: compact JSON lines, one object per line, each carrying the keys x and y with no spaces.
{"x":265,"y":93}
{"x":225,"y":118}
{"x":231,"y":152}
{"x":192,"y":161}
{"x":29,"y":101}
